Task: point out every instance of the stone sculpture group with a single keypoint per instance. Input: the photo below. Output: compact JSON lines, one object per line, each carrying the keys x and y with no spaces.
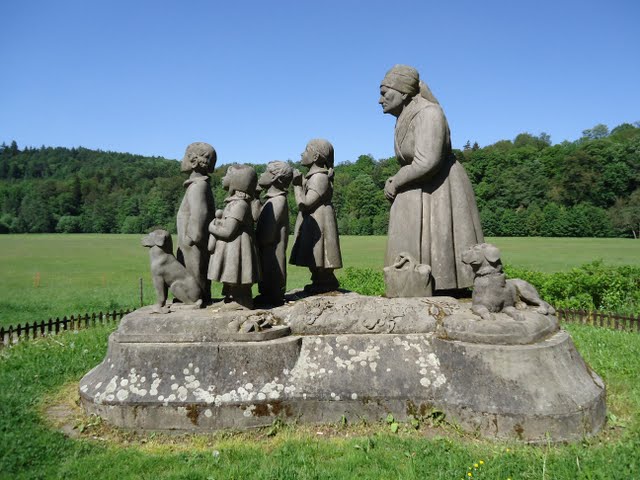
{"x":246,"y":242}
{"x":496,"y":363}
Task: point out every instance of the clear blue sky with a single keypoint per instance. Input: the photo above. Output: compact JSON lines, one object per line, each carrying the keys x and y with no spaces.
{"x":258,"y":79}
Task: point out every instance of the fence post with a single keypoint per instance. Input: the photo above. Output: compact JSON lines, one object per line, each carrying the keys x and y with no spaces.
{"x":141,"y":294}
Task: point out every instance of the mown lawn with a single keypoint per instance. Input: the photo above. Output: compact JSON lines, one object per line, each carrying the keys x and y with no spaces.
{"x":52,"y":275}
{"x":81,"y":273}
{"x":33,"y":375}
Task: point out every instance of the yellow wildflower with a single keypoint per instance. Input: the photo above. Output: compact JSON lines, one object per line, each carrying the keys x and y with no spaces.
{"x":481,"y":462}
{"x":475,"y":465}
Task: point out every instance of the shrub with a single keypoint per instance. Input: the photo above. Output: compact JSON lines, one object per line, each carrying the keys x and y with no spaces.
{"x":69,"y":224}
{"x":593,"y":286}
{"x":132,"y":224}
{"x":365,"y":281}
{"x":8,"y":223}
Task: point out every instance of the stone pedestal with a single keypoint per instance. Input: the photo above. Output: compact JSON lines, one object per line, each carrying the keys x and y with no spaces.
{"x":185,"y":371}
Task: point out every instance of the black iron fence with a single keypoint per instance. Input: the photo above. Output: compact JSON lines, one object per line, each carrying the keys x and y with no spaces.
{"x":14,"y":334}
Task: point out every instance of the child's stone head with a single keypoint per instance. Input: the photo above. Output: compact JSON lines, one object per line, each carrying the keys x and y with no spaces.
{"x":320,"y":152}
{"x":199,"y":157}
{"x":278,"y":174}
{"x":240,"y":178}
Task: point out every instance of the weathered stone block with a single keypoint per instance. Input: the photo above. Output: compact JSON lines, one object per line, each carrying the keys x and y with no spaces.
{"x":202,"y":381}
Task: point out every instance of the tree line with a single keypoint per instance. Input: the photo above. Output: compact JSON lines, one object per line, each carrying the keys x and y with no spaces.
{"x":524,"y":187}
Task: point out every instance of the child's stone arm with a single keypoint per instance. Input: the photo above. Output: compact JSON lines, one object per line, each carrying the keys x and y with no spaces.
{"x":224,"y":229}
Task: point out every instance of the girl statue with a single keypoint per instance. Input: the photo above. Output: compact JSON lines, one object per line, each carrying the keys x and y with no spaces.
{"x":234,"y":260}
{"x":316,"y":244}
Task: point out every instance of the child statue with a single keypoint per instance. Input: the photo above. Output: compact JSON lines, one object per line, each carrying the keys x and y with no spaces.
{"x":316,"y":243}
{"x":272,"y":232}
{"x":195,"y":214}
{"x":234,"y":260}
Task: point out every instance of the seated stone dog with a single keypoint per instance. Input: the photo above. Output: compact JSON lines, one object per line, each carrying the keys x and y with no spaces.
{"x":168,"y":274}
{"x":492,"y":292}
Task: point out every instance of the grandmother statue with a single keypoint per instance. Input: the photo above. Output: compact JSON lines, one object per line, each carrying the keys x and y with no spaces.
{"x":434,"y":217}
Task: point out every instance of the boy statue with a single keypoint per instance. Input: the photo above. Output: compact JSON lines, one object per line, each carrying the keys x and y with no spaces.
{"x":195,"y":213}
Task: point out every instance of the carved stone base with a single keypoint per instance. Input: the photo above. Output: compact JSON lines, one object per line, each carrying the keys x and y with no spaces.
{"x":207,"y":382}
{"x":501,"y":330}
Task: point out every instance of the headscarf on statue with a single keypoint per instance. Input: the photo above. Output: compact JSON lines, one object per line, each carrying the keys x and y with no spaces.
{"x":406,"y":79}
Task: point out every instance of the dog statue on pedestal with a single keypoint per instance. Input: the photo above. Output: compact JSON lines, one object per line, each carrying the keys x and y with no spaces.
{"x":168,"y":274}
{"x":493,"y":293}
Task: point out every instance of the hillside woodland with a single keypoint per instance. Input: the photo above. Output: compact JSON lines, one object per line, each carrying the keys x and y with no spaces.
{"x":524,"y":187}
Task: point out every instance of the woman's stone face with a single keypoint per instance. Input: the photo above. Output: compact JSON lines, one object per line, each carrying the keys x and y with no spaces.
{"x":391,"y":100}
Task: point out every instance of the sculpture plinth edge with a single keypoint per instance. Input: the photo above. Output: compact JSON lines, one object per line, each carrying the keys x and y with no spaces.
{"x":533,"y":392}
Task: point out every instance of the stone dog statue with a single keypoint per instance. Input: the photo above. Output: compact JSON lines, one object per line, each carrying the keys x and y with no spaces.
{"x":492,"y":292}
{"x":168,"y":274}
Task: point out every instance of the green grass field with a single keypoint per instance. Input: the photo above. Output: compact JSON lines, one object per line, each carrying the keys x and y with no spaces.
{"x":79,"y":273}
{"x":36,"y":375}
{"x":53,"y":275}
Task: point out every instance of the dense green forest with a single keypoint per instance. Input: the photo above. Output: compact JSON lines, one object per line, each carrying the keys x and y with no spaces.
{"x":525,"y":187}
